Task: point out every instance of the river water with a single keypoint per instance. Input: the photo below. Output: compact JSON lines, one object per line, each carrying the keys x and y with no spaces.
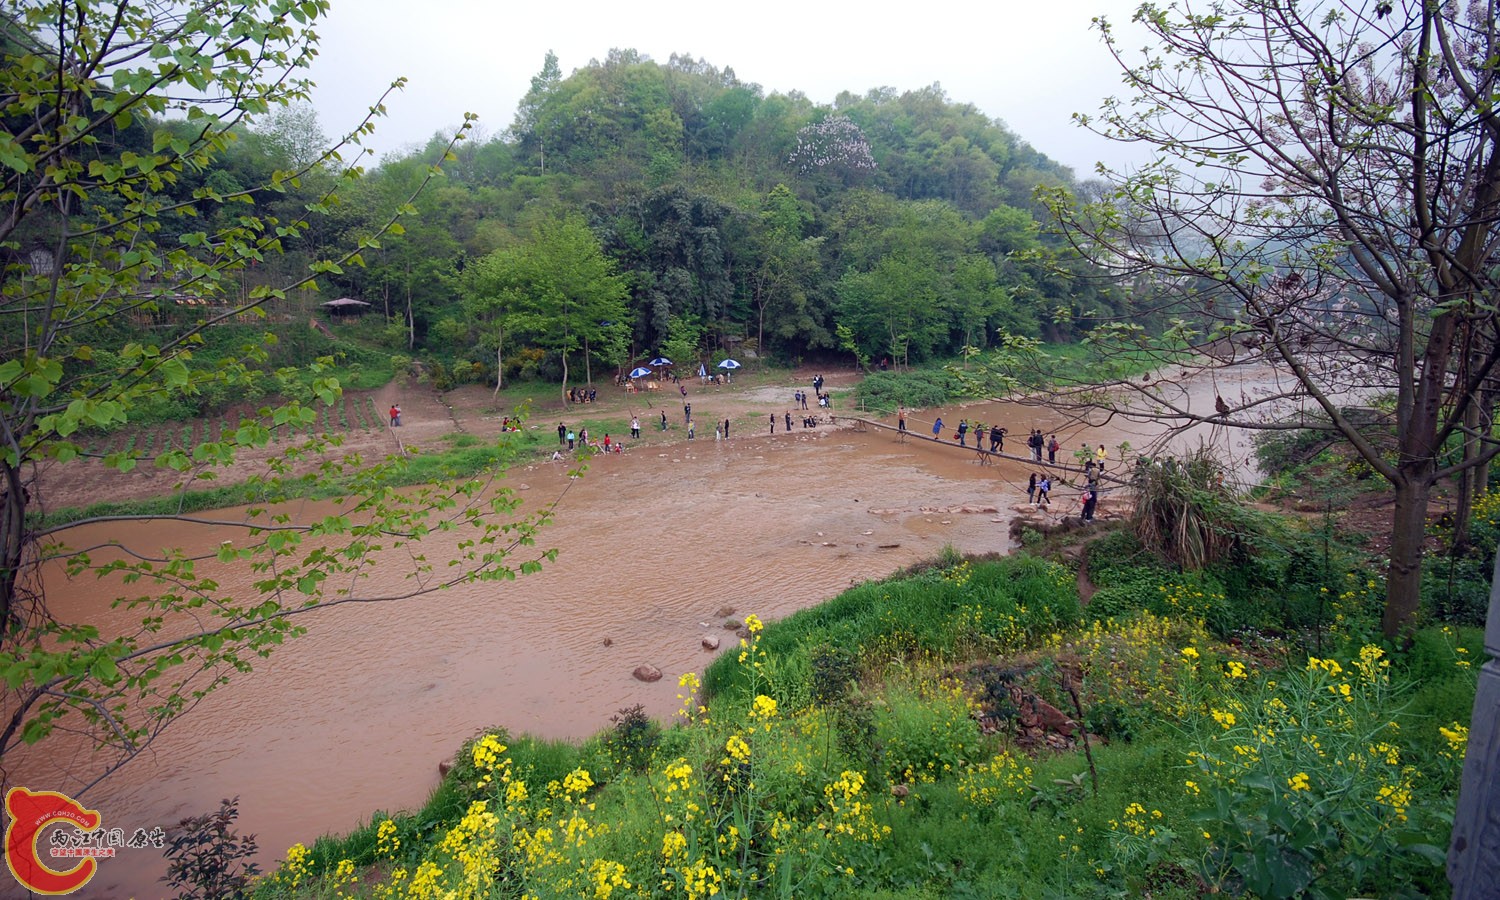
{"x":356,"y":715}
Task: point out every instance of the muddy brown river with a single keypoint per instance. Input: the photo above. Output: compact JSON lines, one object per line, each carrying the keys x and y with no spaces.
{"x":356,"y":715}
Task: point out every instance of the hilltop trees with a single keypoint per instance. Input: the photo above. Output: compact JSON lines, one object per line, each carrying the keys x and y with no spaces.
{"x":1325,"y":199}
{"x":687,"y":174}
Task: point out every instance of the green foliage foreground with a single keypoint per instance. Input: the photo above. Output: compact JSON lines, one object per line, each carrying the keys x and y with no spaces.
{"x":871,"y":747}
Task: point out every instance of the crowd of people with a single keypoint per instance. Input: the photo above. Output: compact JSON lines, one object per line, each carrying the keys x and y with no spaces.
{"x":1040,"y":446}
{"x":571,"y":441}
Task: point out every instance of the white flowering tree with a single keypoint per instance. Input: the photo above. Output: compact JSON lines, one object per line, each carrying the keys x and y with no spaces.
{"x":1324,"y":199}
{"x":834,"y":146}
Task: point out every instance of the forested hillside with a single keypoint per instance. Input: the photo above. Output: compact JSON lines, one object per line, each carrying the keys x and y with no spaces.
{"x":906,"y":219}
{"x":636,"y":207}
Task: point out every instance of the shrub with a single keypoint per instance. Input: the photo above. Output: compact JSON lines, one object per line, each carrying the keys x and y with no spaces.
{"x":1278,"y":451}
{"x":888,"y":390}
{"x":833,"y":674}
{"x":632,"y":740}
{"x":1184,"y":512}
{"x":1118,"y":551}
{"x":1311,"y":792}
{"x":1130,"y":592}
{"x":206,"y":857}
{"x":926,"y":733}
{"x":1457,"y":590}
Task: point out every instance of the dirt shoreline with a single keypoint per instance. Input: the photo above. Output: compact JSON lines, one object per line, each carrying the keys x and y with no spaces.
{"x":428,"y":416}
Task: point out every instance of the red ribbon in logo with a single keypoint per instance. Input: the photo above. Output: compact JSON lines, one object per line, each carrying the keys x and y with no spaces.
{"x":30,"y":812}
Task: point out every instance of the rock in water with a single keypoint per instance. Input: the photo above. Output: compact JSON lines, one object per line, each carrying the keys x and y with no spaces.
{"x":647,"y":673}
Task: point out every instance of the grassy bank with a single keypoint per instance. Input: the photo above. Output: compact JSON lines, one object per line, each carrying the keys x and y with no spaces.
{"x":1000,"y":373}
{"x":461,"y":456}
{"x":917,"y":737}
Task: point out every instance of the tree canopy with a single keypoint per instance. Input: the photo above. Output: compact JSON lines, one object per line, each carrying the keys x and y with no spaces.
{"x":747,"y":212}
{"x":1323,"y":200}
{"x":136,"y":224}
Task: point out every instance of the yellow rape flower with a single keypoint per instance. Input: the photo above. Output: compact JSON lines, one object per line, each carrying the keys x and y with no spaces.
{"x":386,"y":840}
{"x":738,"y":750}
{"x":577,"y":783}
{"x":1457,"y":737}
{"x":296,"y":862}
{"x":606,"y":875}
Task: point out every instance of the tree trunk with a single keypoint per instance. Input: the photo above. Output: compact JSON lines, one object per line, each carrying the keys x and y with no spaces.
{"x":1403,"y":588}
{"x":588,"y":364}
{"x":760,"y":324}
{"x":1463,"y":513}
{"x":1486,"y":404}
{"x":499,"y":363}
{"x":565,"y":376}
{"x":12,"y":540}
{"x":411,"y":321}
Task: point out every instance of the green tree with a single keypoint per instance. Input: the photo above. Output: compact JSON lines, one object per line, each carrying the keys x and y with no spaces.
{"x":560,"y":290}
{"x":1323,"y":198}
{"x":107,"y":296}
{"x":528,"y":112}
{"x":895,"y":308}
{"x":498,"y":298}
{"x":975,"y":301}
{"x":293,"y":138}
{"x":683,"y":344}
{"x":787,"y":269}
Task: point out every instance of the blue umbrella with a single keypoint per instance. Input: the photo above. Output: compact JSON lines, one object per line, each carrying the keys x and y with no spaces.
{"x":661,"y":361}
{"x":729,"y":364}
{"x":640,"y":372}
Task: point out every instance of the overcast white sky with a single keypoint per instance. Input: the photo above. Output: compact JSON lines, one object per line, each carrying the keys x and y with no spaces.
{"x":1030,"y":64}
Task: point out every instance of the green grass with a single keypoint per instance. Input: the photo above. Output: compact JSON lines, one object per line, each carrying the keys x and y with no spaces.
{"x":469,"y":456}
{"x":940,"y":382}
{"x":932,"y":612}
{"x":945,"y":810}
